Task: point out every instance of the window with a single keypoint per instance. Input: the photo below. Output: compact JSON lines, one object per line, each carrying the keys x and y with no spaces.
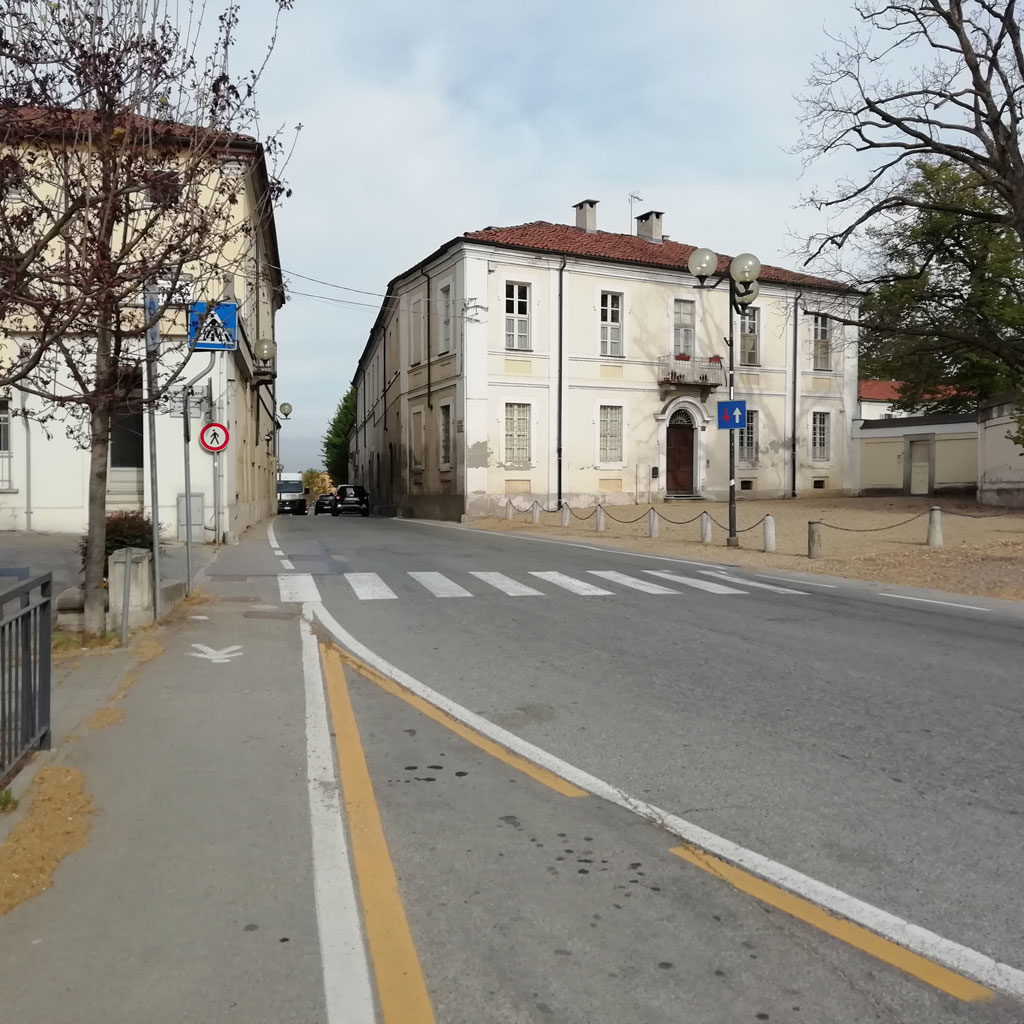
{"x":517,"y":432}
{"x":446,"y":319}
{"x":517,"y":316}
{"x":822,"y":342}
{"x":416,"y":331}
{"x":416,"y":441}
{"x":5,"y":446}
{"x":750,"y":340}
{"x":747,"y":441}
{"x":820,"y":431}
{"x":446,"y":435}
{"x":611,"y":433}
{"x":682,"y":328}
{"x":611,"y":324}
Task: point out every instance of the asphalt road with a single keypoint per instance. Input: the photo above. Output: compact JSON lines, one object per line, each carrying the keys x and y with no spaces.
{"x":869,"y":742}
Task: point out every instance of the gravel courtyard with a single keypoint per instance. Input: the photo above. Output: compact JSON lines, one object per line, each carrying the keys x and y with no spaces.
{"x":983,"y":552}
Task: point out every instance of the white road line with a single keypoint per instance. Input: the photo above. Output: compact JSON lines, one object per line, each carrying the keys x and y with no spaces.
{"x":287,"y":564}
{"x":751,"y":583}
{"x":570,"y":583}
{"x":929,"y":600}
{"x":803,"y":583}
{"x":348,"y":990}
{"x":970,"y":962}
{"x":711,"y":588}
{"x":439,"y":584}
{"x":631,"y":581}
{"x":272,"y":537}
{"x":506,"y":584}
{"x":298,"y":588}
{"x":368,"y":586}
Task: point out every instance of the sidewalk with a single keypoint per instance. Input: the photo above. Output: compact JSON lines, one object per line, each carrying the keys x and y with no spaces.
{"x":192,"y":898}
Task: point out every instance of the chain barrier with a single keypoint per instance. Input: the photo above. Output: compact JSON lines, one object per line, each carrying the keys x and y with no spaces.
{"x":583,"y":519}
{"x":982,"y":515}
{"x":680,"y":522}
{"x":626,"y":522}
{"x":874,"y":529}
{"x":717,"y":523}
{"x":747,"y":529}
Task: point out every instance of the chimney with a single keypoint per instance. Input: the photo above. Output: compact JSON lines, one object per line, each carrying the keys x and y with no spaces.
{"x":586,"y":215}
{"x":648,"y":225}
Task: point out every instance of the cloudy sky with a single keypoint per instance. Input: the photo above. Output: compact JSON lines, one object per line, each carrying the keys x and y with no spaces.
{"x":425,"y":119}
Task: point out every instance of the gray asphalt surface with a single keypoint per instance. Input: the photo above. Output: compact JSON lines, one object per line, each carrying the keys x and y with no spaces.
{"x":529,"y":906}
{"x":871,"y":744}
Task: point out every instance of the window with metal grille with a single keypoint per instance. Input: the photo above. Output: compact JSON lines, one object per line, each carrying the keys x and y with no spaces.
{"x":611,"y":324}
{"x":750,"y":336}
{"x":611,"y":433}
{"x":822,"y":342}
{"x":446,"y":319}
{"x":446,"y":435}
{"x":517,"y":315}
{"x":517,"y":432}
{"x":682,"y":328}
{"x":820,"y":435}
{"x":747,"y":440}
{"x":5,"y":446}
{"x":416,"y":441}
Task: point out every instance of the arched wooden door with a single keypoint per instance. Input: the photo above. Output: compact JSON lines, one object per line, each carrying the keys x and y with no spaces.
{"x":679,"y":444}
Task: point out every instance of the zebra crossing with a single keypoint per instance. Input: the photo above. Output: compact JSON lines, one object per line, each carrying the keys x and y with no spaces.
{"x":370,"y":586}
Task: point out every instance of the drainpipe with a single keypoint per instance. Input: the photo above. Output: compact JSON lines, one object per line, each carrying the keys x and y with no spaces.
{"x":28,"y":465}
{"x":558,"y":435}
{"x":796,"y":379}
{"x":429,"y":318}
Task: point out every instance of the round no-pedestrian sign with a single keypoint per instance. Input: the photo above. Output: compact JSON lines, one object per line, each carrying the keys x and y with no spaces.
{"x":214,"y":437}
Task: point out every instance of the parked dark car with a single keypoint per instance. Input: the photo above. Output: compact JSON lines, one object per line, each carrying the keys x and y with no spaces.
{"x":324,"y":503}
{"x":351,"y":498}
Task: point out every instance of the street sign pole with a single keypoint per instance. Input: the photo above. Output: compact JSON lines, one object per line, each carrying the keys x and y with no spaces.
{"x":186,"y":429}
{"x":733,"y":540}
{"x":151,"y":301}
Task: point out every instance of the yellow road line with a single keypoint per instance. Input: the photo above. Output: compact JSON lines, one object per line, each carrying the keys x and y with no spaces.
{"x":852,"y":934}
{"x":401,"y":988}
{"x":466,"y":732}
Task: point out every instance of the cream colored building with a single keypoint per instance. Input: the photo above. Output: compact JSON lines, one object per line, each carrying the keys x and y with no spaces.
{"x":44,"y":473}
{"x":557,"y":362}
{"x":1000,"y":460}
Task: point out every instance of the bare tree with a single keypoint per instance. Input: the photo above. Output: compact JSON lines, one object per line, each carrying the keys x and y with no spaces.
{"x":918,"y":80}
{"x":125,"y":153}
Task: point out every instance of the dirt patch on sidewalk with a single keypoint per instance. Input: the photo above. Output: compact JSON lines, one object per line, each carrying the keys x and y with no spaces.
{"x":56,"y":824}
{"x":879,"y":539}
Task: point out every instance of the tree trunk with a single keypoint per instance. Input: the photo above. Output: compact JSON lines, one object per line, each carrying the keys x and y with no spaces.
{"x":95,"y":556}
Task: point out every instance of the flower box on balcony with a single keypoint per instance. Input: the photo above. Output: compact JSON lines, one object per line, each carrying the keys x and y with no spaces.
{"x":715,"y":359}
{"x":682,"y":357}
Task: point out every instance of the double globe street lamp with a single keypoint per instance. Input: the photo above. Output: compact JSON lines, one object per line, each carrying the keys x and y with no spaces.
{"x":743,"y":289}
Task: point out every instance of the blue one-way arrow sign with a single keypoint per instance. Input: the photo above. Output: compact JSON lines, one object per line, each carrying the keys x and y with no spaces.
{"x":732,"y":415}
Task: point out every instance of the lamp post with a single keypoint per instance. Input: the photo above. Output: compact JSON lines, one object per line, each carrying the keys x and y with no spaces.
{"x":743,"y":289}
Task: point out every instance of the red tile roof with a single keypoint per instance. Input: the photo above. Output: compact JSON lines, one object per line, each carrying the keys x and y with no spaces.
{"x":564,"y":239}
{"x":879,"y":390}
{"x":889,"y":391}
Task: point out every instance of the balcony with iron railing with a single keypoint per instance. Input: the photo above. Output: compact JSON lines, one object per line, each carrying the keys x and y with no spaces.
{"x":699,"y":371}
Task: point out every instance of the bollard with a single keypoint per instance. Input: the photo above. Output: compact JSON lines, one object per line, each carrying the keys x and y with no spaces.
{"x":652,"y":523}
{"x":126,"y":591}
{"x":935,"y":527}
{"x":508,"y":509}
{"x":705,"y":528}
{"x":566,"y":514}
{"x":814,"y":539}
{"x":599,"y":516}
{"x":769,"y":533}
{"x":535,"y":513}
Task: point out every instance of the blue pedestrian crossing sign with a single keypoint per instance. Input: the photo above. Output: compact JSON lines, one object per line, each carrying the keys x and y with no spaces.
{"x":732,"y":415}
{"x":213,"y":328}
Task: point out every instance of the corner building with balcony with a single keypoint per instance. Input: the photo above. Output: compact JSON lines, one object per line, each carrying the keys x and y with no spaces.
{"x":557,"y":362}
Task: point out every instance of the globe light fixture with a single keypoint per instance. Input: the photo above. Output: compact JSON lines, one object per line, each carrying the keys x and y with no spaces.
{"x":286,"y":409}
{"x":744,"y":268}
{"x":265,"y":350}
{"x":702,"y":263}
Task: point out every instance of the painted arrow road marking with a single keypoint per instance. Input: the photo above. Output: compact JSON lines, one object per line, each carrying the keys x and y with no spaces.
{"x":217,"y":657}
